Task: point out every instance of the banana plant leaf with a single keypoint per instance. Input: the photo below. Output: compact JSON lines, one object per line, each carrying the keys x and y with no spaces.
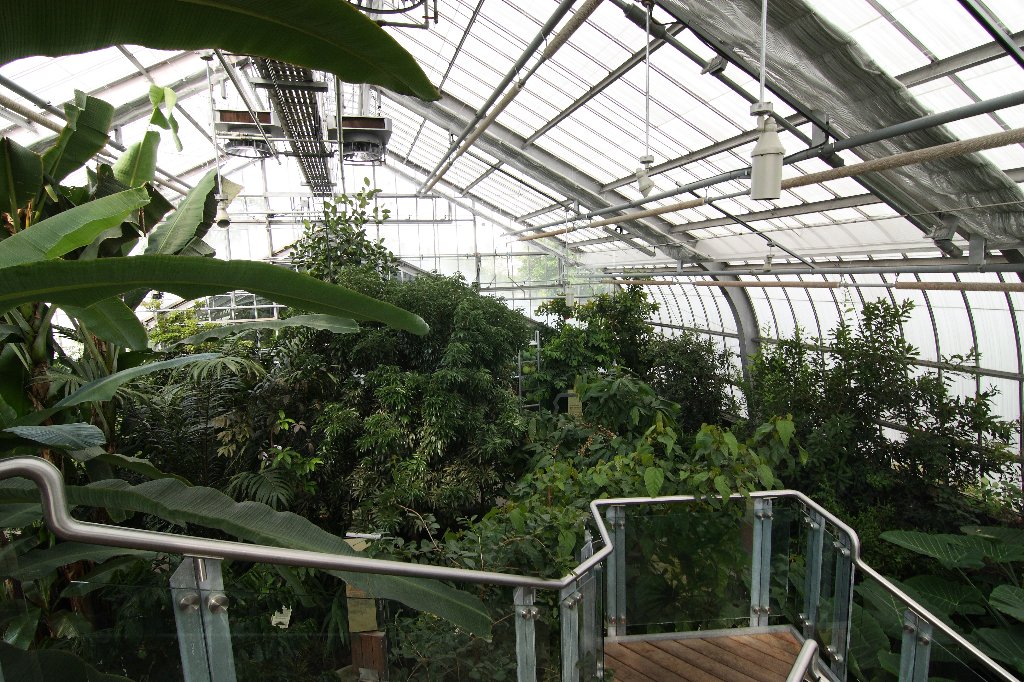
{"x":88,"y":121}
{"x":338,"y":325}
{"x":136,"y":465}
{"x":21,"y":175}
{"x":37,"y":563}
{"x":325,"y":35}
{"x":71,"y":229}
{"x":64,"y":436}
{"x":45,"y":665}
{"x":253,"y":522}
{"x":179,"y":229}
{"x":104,"y":388}
{"x":111,"y":320}
{"x":85,"y":282}
{"x":137,"y":165}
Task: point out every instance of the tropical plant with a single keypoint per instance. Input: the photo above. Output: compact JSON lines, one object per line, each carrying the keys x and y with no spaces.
{"x":974,"y":586}
{"x":849,"y":399}
{"x":64,"y":248}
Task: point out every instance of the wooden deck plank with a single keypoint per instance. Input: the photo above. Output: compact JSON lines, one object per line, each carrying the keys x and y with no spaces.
{"x":685,"y":651}
{"x":617,"y":661}
{"x":738,"y":658}
{"x":745,"y":651}
{"x":768,"y":645}
{"x":638,"y":656}
{"x":758,"y":668}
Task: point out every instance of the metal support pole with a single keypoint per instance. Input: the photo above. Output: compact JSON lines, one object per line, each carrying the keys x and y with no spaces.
{"x":591,"y":658}
{"x":201,"y":620}
{"x":569,"y":599}
{"x":916,"y":649}
{"x":812,"y":580}
{"x":760,"y":563}
{"x":842,"y":607}
{"x":616,"y":582}
{"x":526,"y":642}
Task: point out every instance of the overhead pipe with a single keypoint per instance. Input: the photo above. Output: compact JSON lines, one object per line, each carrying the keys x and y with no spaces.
{"x":856,"y":270}
{"x":531,"y":49}
{"x":974,"y":109}
{"x":938,"y":152}
{"x":482,"y":123}
{"x":917,"y":286}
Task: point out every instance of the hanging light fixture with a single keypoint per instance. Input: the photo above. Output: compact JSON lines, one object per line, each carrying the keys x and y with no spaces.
{"x":643,"y":174}
{"x":766,"y":160}
{"x":769,"y":258}
{"x":222,"y":218}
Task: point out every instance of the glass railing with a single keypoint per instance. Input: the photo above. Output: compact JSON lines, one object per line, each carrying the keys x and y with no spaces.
{"x":667,"y":565}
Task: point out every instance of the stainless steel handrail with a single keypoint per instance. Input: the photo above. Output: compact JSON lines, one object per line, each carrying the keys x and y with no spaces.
{"x":59,"y":520}
{"x":804,"y":661}
{"x":921,"y":611}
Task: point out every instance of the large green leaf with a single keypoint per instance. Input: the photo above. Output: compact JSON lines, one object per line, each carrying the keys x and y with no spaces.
{"x":68,"y":230}
{"x":953,"y":551}
{"x":1008,"y":599}
{"x":19,"y":515}
{"x":47,"y":665}
{"x":944,"y":597}
{"x":13,"y":382}
{"x":104,"y":388}
{"x":1004,"y":644}
{"x":21,"y":630}
{"x":171,"y":236}
{"x":102,"y":574}
{"x":137,"y":165}
{"x":84,"y":283}
{"x":326,"y":35}
{"x":88,"y":120}
{"x":63,"y":436}
{"x":338,"y":325}
{"x":867,"y":640}
{"x":136,"y":465}
{"x":254,"y":522}
{"x":1002,"y":534}
{"x":40,"y":562}
{"x":21,"y":175}
{"x":111,"y":320}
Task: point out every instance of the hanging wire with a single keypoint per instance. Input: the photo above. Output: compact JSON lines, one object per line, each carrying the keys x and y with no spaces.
{"x":213,"y":124}
{"x":647,"y":83}
{"x":764,"y":43}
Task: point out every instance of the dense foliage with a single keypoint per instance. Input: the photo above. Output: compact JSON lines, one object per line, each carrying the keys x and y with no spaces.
{"x":888,"y":446}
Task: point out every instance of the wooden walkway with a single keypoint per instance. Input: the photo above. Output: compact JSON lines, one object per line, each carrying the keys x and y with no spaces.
{"x":734,"y":658}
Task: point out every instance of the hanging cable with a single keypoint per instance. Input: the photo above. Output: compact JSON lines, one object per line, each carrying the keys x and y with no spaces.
{"x":647,"y":83}
{"x":764,"y":44}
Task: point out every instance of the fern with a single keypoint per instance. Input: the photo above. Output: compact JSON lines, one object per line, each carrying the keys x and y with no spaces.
{"x":270,"y":486}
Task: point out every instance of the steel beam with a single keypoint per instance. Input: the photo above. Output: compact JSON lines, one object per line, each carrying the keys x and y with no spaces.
{"x":788,"y":211}
{"x":540,"y":166}
{"x":980,"y":14}
{"x":958,"y":62}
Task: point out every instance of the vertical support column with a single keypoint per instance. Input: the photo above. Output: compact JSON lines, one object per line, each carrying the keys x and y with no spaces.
{"x":616,"y":581}
{"x":760,"y":564}
{"x":568,"y":605}
{"x":812,"y":581}
{"x":916,"y":650}
{"x":189,"y":622}
{"x":843,"y":606}
{"x":526,"y":642}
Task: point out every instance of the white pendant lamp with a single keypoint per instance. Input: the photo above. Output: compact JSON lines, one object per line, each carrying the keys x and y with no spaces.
{"x":766,"y":160}
{"x":643,"y":174}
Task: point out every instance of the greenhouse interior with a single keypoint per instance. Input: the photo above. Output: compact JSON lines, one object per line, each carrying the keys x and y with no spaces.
{"x":570,"y":340}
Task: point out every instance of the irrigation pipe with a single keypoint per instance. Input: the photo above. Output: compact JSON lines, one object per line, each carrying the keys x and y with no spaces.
{"x":917,"y":286}
{"x":936,"y":153}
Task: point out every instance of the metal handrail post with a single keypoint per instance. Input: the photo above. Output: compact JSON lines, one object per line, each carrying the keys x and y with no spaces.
{"x":526,"y":615}
{"x":760,"y":564}
{"x":915,"y":651}
{"x":812,"y":582}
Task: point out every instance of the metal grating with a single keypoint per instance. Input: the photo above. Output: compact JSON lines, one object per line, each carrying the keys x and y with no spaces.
{"x":300,"y":115}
